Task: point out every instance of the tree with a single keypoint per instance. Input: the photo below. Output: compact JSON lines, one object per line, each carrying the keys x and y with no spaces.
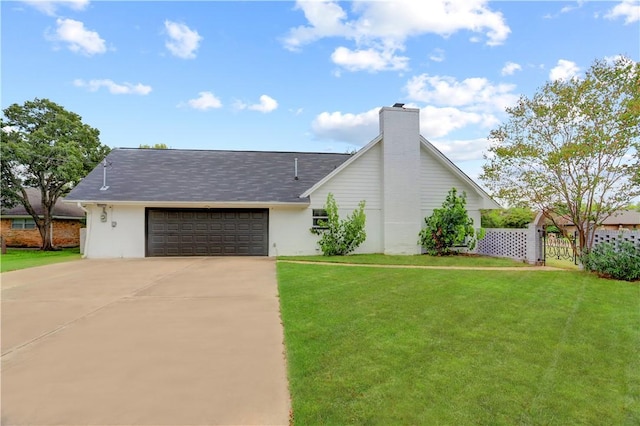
{"x":513,"y":217}
{"x":341,"y":237}
{"x":449,"y":227}
{"x":572,"y":150}
{"x":47,"y":147}
{"x":154,"y":146}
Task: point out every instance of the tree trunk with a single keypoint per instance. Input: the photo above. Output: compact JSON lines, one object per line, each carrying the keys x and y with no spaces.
{"x":45,"y":229}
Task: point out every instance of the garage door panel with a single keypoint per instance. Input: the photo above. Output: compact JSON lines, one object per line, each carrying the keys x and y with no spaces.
{"x":199,"y":232}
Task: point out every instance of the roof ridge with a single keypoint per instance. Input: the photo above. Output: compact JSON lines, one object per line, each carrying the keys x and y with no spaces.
{"x":227,"y":150}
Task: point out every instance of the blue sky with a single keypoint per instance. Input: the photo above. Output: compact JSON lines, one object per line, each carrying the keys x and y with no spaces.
{"x":300,"y":76}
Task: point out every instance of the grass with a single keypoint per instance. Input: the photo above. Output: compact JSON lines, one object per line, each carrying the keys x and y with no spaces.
{"x":407,"y":346}
{"x":420,"y":260}
{"x":22,"y":259}
{"x":561,"y":263}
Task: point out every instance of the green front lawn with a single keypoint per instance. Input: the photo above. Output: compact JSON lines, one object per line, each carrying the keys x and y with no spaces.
{"x":418,"y":260}
{"x":21,"y":259}
{"x":410,"y":346}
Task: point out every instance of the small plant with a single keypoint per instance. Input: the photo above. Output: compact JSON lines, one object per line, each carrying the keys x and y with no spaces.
{"x":449,"y":227}
{"x":620,"y":261}
{"x":340,"y":237}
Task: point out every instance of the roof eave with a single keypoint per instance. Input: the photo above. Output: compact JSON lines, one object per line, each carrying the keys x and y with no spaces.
{"x":197,"y":204}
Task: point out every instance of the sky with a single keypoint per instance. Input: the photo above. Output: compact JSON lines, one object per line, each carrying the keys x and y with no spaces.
{"x":301,"y":76}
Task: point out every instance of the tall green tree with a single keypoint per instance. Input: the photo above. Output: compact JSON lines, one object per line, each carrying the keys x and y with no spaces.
{"x":47,"y":147}
{"x":572,"y":149}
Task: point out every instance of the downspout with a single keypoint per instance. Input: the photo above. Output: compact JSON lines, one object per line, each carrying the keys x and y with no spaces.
{"x":86,"y":237}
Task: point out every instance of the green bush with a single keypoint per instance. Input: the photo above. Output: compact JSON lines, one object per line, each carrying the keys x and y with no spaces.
{"x":341,"y":237}
{"x":449,"y":227}
{"x":620,"y":261}
{"x":514,"y":217}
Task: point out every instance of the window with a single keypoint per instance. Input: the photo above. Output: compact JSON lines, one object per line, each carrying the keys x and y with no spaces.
{"x":23,"y":224}
{"x":320,"y":219}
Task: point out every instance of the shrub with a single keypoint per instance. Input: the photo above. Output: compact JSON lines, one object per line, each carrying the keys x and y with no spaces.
{"x":514,"y":217}
{"x":620,"y":261}
{"x":449,"y":227}
{"x":341,"y":237}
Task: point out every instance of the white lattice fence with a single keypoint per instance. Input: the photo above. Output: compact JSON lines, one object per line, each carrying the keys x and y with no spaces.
{"x":500,"y":242}
{"x":614,"y":236}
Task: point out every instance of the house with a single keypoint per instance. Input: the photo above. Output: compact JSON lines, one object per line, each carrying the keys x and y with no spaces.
{"x":19,"y":228}
{"x":145,"y":202}
{"x":620,"y":220}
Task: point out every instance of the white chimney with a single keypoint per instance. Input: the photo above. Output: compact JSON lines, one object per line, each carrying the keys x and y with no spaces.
{"x":400,"y":129}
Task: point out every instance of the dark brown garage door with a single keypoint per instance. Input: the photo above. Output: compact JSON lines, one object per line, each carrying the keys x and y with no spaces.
{"x":203,"y":232}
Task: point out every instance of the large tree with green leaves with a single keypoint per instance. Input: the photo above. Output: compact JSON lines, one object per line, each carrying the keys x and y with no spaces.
{"x":572,"y":149}
{"x":46,"y":147}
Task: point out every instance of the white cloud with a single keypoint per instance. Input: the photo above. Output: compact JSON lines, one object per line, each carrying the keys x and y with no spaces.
{"x":183,"y":41}
{"x":371,"y":60}
{"x":205,"y":101}
{"x":384,"y":27}
{"x":462,"y":150}
{"x":437,"y":55}
{"x":114,"y":88}
{"x":510,"y":68}
{"x":325,"y":19}
{"x":564,"y":70}
{"x":78,"y":38}
{"x":627,"y":9}
{"x":451,"y":105}
{"x":474,"y":93}
{"x":353,"y":128}
{"x":51,"y":7}
{"x":360,"y":128}
{"x":267,"y":104}
{"x":438,"y":122}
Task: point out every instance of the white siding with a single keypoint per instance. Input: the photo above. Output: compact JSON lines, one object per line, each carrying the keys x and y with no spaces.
{"x":290,"y":235}
{"x":361,"y":180}
{"x":122,"y":235}
{"x":435,"y":182}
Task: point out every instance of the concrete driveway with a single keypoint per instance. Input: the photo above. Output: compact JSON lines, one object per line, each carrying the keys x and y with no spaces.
{"x":186,"y":341}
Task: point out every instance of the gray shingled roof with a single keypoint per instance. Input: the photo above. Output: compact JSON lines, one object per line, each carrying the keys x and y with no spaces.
{"x":623,"y":217}
{"x":60,"y":210}
{"x":171,"y":175}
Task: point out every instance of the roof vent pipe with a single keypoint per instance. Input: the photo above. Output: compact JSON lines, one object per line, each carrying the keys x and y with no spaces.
{"x":295,"y":168}
{"x":104,"y":175}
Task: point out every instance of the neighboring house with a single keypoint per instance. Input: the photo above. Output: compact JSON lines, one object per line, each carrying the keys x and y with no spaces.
{"x":188,"y":202}
{"x":619,"y":220}
{"x":19,"y":229}
{"x":622,"y":219}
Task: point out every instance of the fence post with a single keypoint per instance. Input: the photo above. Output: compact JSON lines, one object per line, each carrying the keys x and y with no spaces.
{"x":534,"y":245}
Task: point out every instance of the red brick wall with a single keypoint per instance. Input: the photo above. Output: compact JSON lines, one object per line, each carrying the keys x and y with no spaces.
{"x":66,"y":233}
